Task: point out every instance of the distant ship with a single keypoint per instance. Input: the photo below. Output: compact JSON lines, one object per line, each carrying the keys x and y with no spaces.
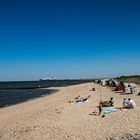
{"x":47,"y":78}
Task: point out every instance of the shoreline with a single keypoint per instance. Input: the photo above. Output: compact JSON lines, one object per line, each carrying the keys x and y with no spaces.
{"x":53,"y":118}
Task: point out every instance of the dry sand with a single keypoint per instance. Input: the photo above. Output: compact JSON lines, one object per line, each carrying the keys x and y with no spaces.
{"x":53,"y":118}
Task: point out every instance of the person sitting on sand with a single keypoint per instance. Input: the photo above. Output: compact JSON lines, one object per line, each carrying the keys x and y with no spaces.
{"x":131,"y":104}
{"x":124,"y":103}
{"x":111,"y":101}
{"x":93,"y":89}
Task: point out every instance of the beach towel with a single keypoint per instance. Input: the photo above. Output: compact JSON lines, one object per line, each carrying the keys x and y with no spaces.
{"x":113,"y":109}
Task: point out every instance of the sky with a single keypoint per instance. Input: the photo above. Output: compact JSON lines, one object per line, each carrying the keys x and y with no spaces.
{"x":69,"y":39}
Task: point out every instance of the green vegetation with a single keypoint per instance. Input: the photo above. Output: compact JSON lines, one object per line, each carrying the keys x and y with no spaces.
{"x":130,"y":79}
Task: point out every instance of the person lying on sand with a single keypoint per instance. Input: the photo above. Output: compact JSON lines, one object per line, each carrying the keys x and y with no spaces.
{"x":78,"y":99}
{"x":83,"y":99}
{"x":109,"y":103}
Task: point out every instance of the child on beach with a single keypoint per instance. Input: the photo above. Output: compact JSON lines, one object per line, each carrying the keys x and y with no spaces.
{"x":100,"y":108}
{"x":124,"y":103}
{"x":112,"y":101}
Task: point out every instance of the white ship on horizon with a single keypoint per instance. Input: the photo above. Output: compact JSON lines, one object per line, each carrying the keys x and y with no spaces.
{"x":47,"y":78}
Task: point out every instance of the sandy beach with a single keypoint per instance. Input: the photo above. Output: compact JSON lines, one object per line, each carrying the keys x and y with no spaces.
{"x":54,"y":118}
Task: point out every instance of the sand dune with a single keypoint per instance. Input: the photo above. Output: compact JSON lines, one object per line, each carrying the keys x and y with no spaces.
{"x":53,"y":118}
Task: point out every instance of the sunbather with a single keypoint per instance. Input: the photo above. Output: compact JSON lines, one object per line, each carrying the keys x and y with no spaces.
{"x":83,"y":99}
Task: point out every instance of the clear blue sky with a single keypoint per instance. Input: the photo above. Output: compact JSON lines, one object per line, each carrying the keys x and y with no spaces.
{"x":69,"y":38}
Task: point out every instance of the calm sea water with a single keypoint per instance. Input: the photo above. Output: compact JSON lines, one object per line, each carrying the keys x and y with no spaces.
{"x":16,"y":92}
{"x":11,"y":97}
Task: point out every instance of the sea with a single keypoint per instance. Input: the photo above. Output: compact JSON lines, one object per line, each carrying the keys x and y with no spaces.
{"x":12,"y":93}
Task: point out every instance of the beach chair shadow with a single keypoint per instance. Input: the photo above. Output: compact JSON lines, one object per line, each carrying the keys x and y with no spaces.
{"x":93,"y":114}
{"x":125,"y":93}
{"x":121,"y":92}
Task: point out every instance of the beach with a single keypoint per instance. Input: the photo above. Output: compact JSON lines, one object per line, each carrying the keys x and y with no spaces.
{"x":55,"y":118}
